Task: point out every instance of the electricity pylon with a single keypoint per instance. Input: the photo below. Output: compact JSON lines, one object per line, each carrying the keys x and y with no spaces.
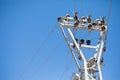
{"x":88,"y":69}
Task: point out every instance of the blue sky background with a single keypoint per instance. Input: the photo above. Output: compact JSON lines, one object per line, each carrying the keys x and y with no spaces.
{"x":24,"y":25}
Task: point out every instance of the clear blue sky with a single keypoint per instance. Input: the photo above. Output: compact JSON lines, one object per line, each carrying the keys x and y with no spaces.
{"x":24,"y":24}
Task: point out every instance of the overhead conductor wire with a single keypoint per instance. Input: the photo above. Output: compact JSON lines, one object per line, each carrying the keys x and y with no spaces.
{"x":81,"y":5}
{"x":109,"y":11}
{"x":74,"y":5}
{"x":48,"y":57}
{"x":34,"y":56}
{"x":109,"y":15}
{"x":64,"y":72}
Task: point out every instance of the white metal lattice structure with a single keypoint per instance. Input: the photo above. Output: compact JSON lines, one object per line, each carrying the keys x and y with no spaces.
{"x":88,"y":69}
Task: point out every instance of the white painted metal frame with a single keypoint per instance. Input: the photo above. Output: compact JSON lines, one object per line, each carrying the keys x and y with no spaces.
{"x":85,"y":72}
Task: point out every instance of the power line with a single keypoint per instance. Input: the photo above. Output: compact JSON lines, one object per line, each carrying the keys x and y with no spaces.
{"x":34,"y":56}
{"x":109,"y":11}
{"x":66,"y":69}
{"x":74,"y":5}
{"x":81,"y":5}
{"x":64,"y":72}
{"x":109,"y":15}
{"x":50,"y":55}
{"x":48,"y":58}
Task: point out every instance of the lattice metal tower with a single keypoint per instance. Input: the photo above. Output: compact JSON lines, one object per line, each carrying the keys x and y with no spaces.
{"x":88,"y":68}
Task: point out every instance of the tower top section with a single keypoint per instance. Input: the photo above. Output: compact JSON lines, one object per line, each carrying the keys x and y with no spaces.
{"x":83,"y":22}
{"x":88,"y":68}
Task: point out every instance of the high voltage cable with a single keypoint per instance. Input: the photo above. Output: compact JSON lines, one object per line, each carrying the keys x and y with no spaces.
{"x":66,"y":69}
{"x":48,"y":57}
{"x":74,"y":5}
{"x":81,"y":5}
{"x":34,"y":56}
{"x":109,"y":11}
{"x":64,"y":72}
{"x":109,"y":15}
